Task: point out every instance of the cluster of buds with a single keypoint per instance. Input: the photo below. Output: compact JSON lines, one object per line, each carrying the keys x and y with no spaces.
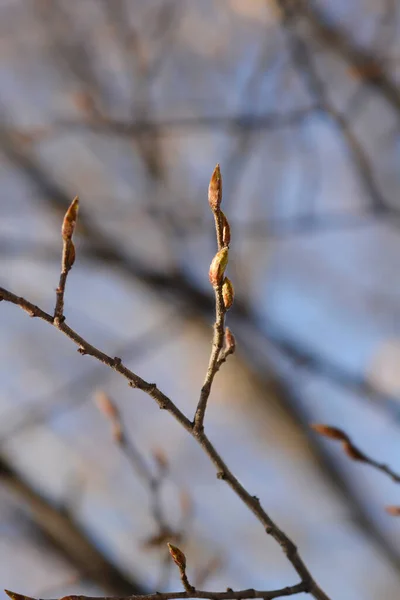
{"x":220,"y":260}
{"x":67,"y":231}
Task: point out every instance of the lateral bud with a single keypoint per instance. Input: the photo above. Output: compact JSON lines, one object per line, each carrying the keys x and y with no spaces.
{"x":69,"y":254}
{"x":215,"y":190}
{"x":228,"y":293}
{"x":178,"y":557}
{"x":226,"y":230}
{"x":69,"y":222}
{"x":230,"y":341}
{"x":218,"y":266}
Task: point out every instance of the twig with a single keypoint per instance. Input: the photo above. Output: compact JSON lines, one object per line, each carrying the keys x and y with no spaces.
{"x":228,"y":595}
{"x":140,"y":467}
{"x":222,"y":289}
{"x":353,"y":451}
{"x":68,"y":255}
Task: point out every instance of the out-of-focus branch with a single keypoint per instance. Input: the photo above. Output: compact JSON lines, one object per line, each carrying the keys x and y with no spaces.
{"x":353,"y":452}
{"x":363,"y":62}
{"x":66,"y":535}
{"x":304,"y":65}
{"x":152,"y":480}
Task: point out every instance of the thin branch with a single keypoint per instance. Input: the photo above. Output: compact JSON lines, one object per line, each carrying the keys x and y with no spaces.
{"x":353,"y":451}
{"x":216,"y":275}
{"x":228,"y":595}
{"x":223,"y":472}
{"x":140,"y":467}
{"x":66,"y":535}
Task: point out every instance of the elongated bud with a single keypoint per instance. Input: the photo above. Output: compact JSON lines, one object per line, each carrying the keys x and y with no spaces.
{"x":218,"y":266}
{"x":228,"y":293}
{"x":226,"y":230}
{"x":394,"y":511}
{"x":330,"y":432}
{"x":353,"y":452}
{"x":69,"y":256}
{"x":230,"y":342}
{"x":215,"y":189}
{"x":178,"y":556}
{"x":70,"y":218}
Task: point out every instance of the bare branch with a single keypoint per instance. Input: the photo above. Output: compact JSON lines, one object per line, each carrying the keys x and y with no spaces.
{"x":223,"y":472}
{"x":228,"y":595}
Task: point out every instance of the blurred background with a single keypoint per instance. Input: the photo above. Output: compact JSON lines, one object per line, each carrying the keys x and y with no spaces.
{"x":130,"y":104}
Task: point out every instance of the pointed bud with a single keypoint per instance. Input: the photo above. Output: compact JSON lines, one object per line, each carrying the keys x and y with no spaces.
{"x":353,"y":452}
{"x":215,"y":189}
{"x":178,"y":556}
{"x":394,"y":511}
{"x":230,"y":342}
{"x":228,"y":293}
{"x":218,"y":266}
{"x":70,"y":218}
{"x":226,"y":230}
{"x":330,"y":432}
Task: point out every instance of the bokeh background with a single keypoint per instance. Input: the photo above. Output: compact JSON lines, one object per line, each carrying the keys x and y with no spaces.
{"x":130,"y":104}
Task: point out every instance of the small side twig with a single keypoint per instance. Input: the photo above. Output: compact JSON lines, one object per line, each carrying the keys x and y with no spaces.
{"x":353,"y":451}
{"x":224,"y":295}
{"x":68,"y":256}
{"x":140,"y":467}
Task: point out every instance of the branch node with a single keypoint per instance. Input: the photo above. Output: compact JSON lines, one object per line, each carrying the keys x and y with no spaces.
{"x":82,"y":350}
{"x":117,"y":361}
{"x":269,"y":530}
{"x":221,"y":475}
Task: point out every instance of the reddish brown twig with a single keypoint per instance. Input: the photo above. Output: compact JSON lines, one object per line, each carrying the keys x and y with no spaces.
{"x":353,"y":451}
{"x":68,"y":255}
